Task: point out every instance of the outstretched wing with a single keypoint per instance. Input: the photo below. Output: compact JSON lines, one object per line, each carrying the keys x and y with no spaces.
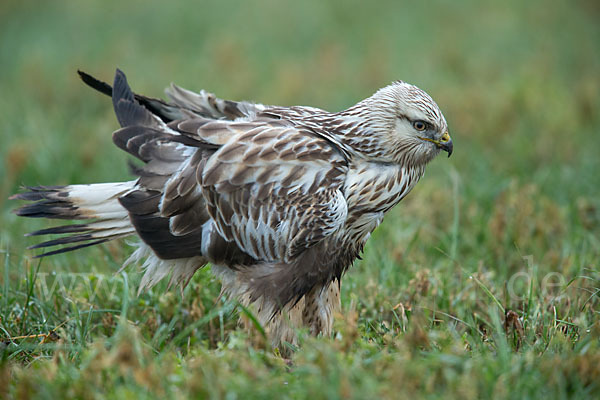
{"x":272,"y":189}
{"x":184,"y":103}
{"x":241,"y":191}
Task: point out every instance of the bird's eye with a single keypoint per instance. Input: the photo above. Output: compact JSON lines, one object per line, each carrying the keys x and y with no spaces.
{"x":419,"y":125}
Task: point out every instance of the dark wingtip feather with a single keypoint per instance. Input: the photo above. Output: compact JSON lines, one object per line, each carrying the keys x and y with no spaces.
{"x":121,"y":89}
{"x":71,"y":248}
{"x":75,"y":228}
{"x":158,"y":107}
{"x":64,"y":240}
{"x":94,"y":83}
{"x":129,"y":112}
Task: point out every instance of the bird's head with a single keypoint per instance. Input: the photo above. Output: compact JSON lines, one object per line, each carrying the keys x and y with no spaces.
{"x":402,"y":124}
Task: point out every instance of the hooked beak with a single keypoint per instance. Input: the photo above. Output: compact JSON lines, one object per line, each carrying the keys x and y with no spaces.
{"x":445,"y":143}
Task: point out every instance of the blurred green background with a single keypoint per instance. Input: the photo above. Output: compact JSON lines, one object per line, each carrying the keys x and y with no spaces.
{"x":518,"y":81}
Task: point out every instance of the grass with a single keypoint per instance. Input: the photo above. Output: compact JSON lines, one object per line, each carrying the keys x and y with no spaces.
{"x":483,"y":283}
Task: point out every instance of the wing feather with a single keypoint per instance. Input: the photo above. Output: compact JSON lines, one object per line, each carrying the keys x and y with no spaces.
{"x":275,"y":190}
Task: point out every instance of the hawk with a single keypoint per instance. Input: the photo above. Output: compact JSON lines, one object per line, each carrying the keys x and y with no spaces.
{"x":279,"y":200}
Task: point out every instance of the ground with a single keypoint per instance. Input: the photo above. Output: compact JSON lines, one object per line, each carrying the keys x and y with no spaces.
{"x":482,"y":283}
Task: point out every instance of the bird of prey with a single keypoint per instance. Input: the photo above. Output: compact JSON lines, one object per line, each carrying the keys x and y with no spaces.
{"x":279,"y":200}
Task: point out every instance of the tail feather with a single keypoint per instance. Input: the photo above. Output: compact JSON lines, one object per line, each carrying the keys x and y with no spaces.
{"x":98,"y":203}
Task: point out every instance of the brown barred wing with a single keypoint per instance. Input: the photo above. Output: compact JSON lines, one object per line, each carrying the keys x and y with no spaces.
{"x":275,"y":191}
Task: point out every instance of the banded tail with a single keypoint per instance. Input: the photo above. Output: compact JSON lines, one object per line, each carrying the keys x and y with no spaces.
{"x":96,"y":204}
